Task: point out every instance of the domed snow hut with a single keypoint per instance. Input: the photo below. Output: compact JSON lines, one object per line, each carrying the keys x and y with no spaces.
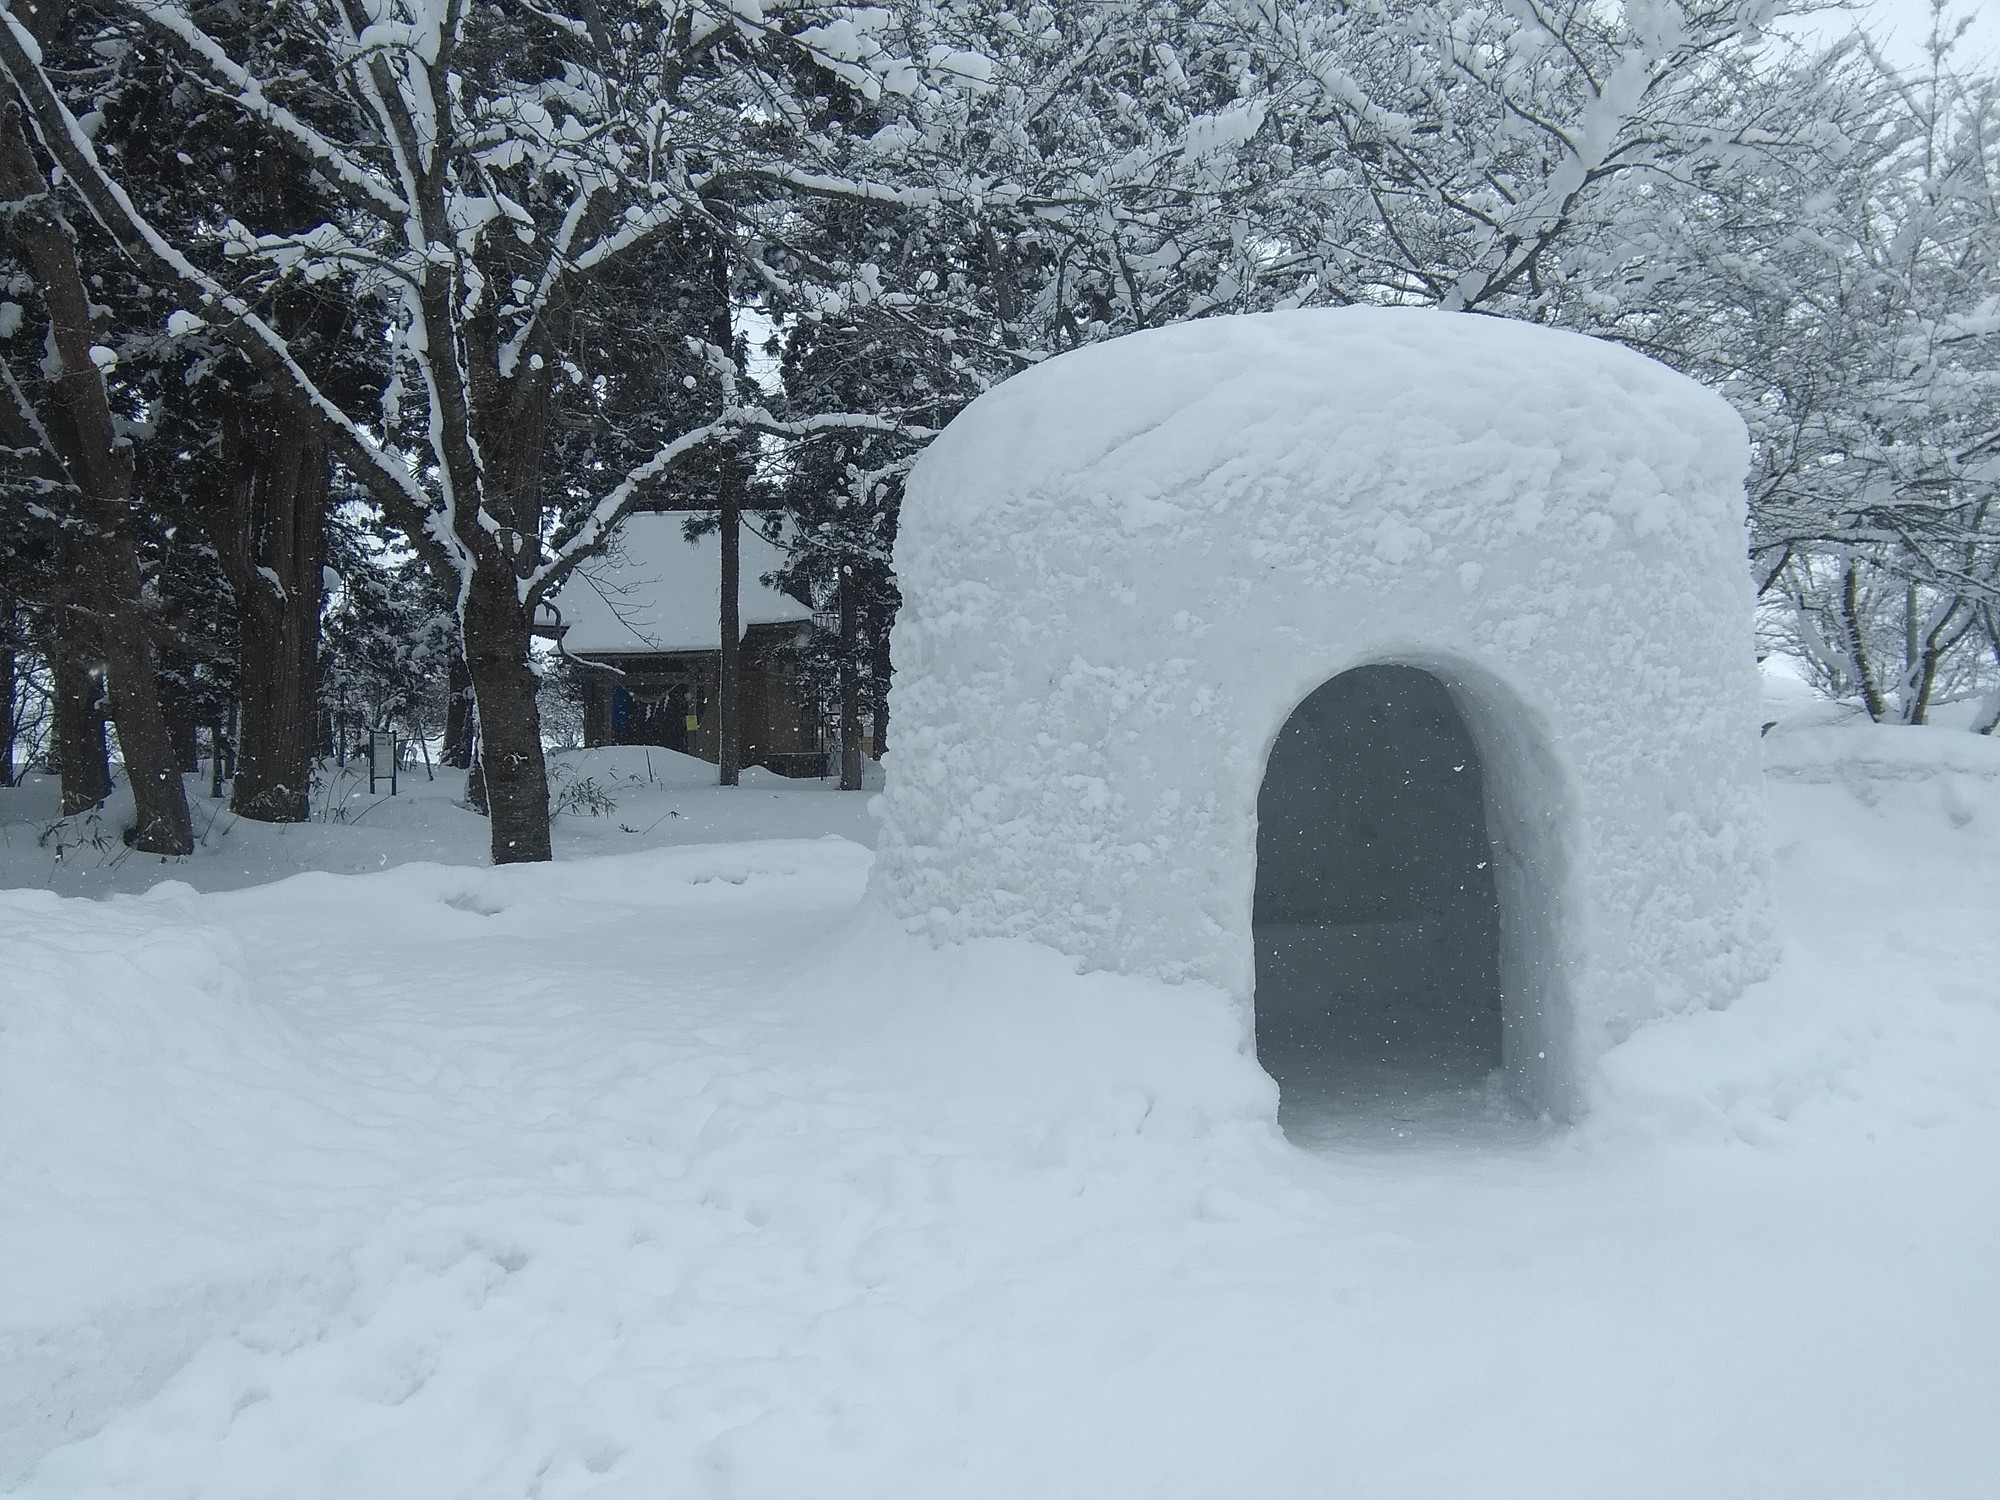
{"x":1390,"y":669}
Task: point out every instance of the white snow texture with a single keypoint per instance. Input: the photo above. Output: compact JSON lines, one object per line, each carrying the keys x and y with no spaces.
{"x":1123,"y":570}
{"x":658,"y":591}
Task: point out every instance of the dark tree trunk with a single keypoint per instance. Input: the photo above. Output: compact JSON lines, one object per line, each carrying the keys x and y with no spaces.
{"x":729,"y":687}
{"x":177,"y":705}
{"x":880,"y":685}
{"x":1857,"y":646}
{"x":510,"y":728}
{"x":1989,"y":716}
{"x":9,"y":725}
{"x":162,"y":824}
{"x":477,"y":785}
{"x":215,"y":773}
{"x":279,"y":475}
{"x":105,"y":577}
{"x":1933,"y":646}
{"x":730,"y":480}
{"x":83,"y":761}
{"x":850,"y":681}
{"x":457,"y":750}
{"x":511,"y":419}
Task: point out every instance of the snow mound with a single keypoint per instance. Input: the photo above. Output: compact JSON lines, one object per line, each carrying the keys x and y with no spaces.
{"x":633,"y":764}
{"x":1885,"y":752}
{"x":642,"y":766}
{"x":1884,"y":1012}
{"x":1124,"y":569}
{"x":133,"y":990}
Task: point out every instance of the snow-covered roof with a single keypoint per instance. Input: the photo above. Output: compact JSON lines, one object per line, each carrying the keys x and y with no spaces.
{"x":657,"y":591}
{"x":1124,"y":569}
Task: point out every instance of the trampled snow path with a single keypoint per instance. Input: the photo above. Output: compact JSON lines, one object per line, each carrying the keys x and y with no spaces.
{"x":669,"y":1174}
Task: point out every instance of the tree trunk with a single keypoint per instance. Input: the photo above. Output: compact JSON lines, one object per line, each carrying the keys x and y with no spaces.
{"x":82,"y":759}
{"x":1912,"y":698}
{"x":475,"y":784}
{"x":1948,"y":628}
{"x":105,"y":574}
{"x":880,"y":685}
{"x":729,"y":688}
{"x":1989,"y":716}
{"x":730,"y":479}
{"x":177,"y":705}
{"x":1857,"y":647}
{"x":215,"y":759}
{"x":9,"y":726}
{"x":457,"y":749}
{"x":161,"y":822}
{"x":279,"y":476}
{"x":510,"y":728}
{"x":850,"y":681}
{"x":503,"y":469}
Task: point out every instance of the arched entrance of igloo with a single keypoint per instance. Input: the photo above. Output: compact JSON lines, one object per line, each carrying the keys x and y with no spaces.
{"x":1382,"y":964}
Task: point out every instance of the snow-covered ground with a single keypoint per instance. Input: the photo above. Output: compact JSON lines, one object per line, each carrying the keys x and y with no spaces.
{"x":647,"y":798}
{"x":673,"y":1169}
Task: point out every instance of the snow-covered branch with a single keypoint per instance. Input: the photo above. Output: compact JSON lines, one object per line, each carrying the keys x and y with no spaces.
{"x":363,"y":187}
{"x":69,"y":144}
{"x":597,"y":527}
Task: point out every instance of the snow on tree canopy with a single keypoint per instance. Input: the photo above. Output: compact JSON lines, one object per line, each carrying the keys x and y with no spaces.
{"x":1125,"y":569}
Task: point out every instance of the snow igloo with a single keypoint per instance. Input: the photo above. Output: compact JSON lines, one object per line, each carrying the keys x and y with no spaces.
{"x":1390,"y":669}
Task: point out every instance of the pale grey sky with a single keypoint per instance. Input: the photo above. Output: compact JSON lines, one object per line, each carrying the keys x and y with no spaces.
{"x":1900,"y":27}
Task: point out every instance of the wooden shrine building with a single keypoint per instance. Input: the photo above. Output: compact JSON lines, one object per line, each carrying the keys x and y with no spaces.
{"x":646,"y":615}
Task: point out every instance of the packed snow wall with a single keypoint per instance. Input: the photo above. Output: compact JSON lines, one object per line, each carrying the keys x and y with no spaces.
{"x":1123,"y":570}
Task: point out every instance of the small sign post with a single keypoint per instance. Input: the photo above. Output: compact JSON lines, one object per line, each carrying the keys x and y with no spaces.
{"x":382,"y":759}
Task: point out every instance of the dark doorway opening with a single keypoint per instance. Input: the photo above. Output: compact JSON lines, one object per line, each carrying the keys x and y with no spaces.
{"x":1376,"y":922}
